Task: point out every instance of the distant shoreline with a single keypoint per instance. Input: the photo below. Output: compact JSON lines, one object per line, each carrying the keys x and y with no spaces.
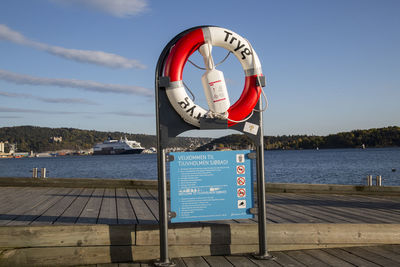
{"x":42,"y":139}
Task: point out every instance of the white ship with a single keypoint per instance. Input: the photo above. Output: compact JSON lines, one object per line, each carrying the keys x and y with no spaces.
{"x":114,"y":147}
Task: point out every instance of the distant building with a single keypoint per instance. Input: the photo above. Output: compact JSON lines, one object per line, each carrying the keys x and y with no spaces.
{"x":1,"y":147}
{"x":56,"y":139}
{"x":13,"y":148}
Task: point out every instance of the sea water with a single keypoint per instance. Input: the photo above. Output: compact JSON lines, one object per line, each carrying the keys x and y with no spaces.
{"x":324,"y":166}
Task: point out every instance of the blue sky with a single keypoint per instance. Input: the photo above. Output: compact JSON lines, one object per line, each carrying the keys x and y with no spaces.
{"x":331,"y":66}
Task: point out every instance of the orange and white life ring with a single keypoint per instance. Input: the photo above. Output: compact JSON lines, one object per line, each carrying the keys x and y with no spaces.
{"x":215,"y":36}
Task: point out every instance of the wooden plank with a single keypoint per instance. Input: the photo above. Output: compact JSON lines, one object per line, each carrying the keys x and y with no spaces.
{"x":384,"y":252}
{"x":91,"y":211}
{"x":142,"y":212}
{"x":393,"y":248}
{"x":130,"y":265}
{"x":107,"y":265}
{"x":274,"y":217}
{"x":7,"y":195}
{"x":392,"y":203}
{"x":54,"y":212}
{"x":367,"y":211}
{"x":67,"y":235}
{"x":78,"y":182}
{"x":24,"y":199}
{"x":288,"y":217}
{"x":219,"y":261}
{"x":305,"y":258}
{"x":41,"y":198}
{"x":195,"y":262}
{"x":34,"y":213}
{"x":376,"y":208}
{"x":269,"y":263}
{"x":327,"y":258}
{"x":108,"y":210}
{"x":320,"y":212}
{"x":328,"y":206}
{"x":349,"y":257}
{"x":125,"y":211}
{"x":297,"y":214}
{"x":343,"y":208}
{"x":56,"y":256}
{"x":71,"y":214}
{"x":284,"y":260}
{"x":240,"y":261}
{"x":151,"y":203}
{"x":371,"y":256}
{"x":179,"y":262}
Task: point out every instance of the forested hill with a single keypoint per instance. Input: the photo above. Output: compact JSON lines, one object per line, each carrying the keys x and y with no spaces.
{"x":40,"y":139}
{"x":379,"y":137}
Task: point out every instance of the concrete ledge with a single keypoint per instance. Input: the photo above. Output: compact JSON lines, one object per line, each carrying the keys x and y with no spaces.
{"x":92,"y":244}
{"x":151,"y":184}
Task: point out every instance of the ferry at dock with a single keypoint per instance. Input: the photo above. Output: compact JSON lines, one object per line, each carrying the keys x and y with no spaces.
{"x":116,"y":147}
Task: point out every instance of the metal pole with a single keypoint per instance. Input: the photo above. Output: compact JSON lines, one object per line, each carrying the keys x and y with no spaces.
{"x":369,"y":180}
{"x":34,"y":173}
{"x":262,"y":213}
{"x":163,"y":213}
{"x":162,"y":184}
{"x":43,"y":173}
{"x":378,"y":180}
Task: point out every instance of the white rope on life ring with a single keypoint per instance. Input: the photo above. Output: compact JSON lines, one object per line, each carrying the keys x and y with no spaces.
{"x":216,"y":36}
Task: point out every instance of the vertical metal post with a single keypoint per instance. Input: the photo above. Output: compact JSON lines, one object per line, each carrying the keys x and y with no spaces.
{"x":162,"y":190}
{"x":34,"y":173}
{"x":262,"y":213}
{"x":379,"y":180}
{"x":163,"y":213}
{"x":369,"y":180}
{"x":43,"y":173}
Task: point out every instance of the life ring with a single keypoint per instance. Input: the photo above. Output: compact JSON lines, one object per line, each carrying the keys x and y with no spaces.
{"x":216,"y":36}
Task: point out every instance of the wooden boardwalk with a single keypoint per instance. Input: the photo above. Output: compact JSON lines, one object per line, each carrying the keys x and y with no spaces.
{"x":388,"y":255}
{"x":61,"y":206}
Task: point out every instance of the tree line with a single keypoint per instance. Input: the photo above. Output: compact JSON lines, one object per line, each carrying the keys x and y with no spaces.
{"x":377,"y":137}
{"x":39,"y":139}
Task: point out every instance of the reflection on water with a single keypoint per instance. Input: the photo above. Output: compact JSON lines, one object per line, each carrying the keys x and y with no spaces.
{"x":330,"y":166}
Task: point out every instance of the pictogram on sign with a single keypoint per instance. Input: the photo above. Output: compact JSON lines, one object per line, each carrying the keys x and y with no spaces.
{"x":241,"y":181}
{"x":242,"y":204}
{"x":240,"y":169}
{"x":240,"y":158}
{"x":241,"y":192}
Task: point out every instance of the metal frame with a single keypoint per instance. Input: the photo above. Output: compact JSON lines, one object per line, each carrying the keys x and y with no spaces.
{"x":170,"y":124}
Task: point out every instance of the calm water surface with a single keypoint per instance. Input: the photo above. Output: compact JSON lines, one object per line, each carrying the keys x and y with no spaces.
{"x":330,"y":166}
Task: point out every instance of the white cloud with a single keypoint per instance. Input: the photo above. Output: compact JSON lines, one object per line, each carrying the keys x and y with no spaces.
{"x":117,"y":8}
{"x":85,"y":56}
{"x":131,"y":114}
{"x":72,"y":83}
{"x":49,"y":99}
{"x":10,"y":117}
{"x":24,"y":110}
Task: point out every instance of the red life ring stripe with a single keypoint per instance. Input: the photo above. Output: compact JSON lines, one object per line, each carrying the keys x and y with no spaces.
{"x":177,"y":59}
{"x":180,"y":53}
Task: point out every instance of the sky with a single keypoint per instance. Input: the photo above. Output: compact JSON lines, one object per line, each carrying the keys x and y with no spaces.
{"x":331,"y":65}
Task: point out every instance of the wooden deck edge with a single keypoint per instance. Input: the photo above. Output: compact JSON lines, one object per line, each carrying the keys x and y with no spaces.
{"x":151,"y":184}
{"x":77,"y":183}
{"x":91,"y":244}
{"x":332,"y":189}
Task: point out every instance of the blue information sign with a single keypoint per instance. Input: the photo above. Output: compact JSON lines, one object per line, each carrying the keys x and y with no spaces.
{"x":214,"y":185}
